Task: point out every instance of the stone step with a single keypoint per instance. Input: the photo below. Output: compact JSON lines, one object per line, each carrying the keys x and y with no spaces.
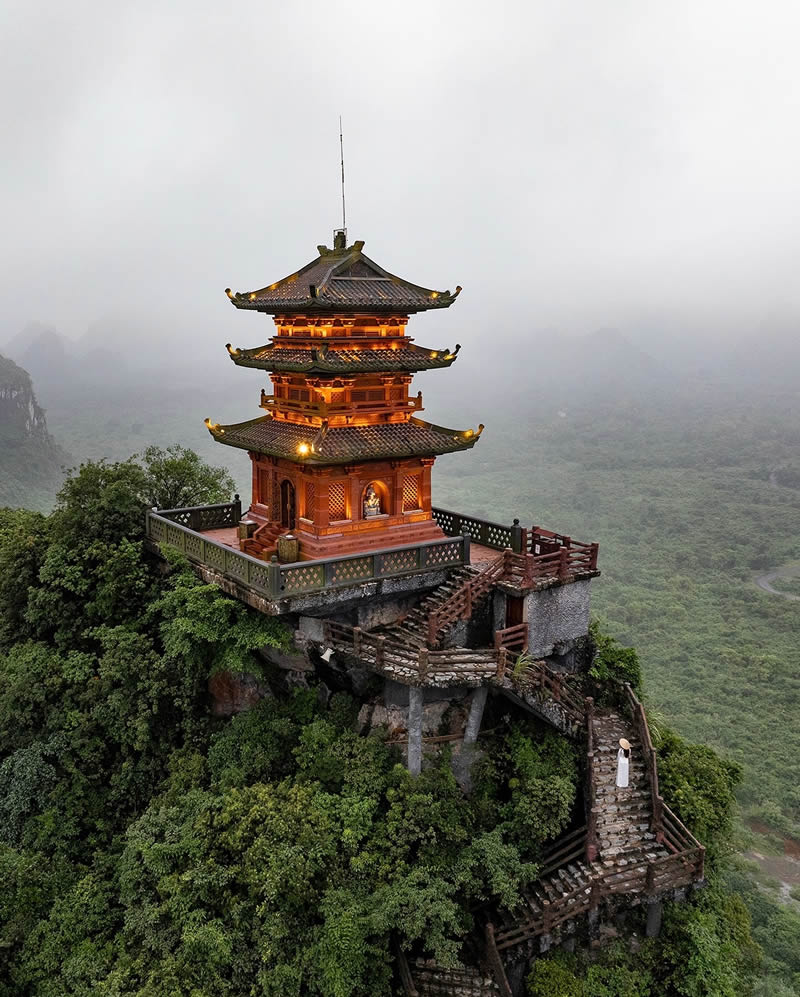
{"x":432,"y":980}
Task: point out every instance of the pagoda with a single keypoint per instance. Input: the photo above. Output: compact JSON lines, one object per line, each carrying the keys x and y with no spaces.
{"x":341,"y":459}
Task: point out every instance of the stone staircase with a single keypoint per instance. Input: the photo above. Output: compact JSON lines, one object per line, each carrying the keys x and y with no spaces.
{"x":623,"y":815}
{"x":412,"y":630}
{"x":432,"y":980}
{"x":572,"y":885}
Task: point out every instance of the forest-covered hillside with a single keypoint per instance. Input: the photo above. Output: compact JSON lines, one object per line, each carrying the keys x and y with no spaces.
{"x":687,"y":478}
{"x":148,"y":847}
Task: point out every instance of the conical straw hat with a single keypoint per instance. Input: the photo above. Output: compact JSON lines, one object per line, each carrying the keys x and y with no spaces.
{"x":624,"y":744}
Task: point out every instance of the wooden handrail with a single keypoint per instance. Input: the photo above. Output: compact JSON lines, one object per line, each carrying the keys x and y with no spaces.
{"x":643,"y":732}
{"x":419,"y":662}
{"x":592,"y":848}
{"x":514,"y":638}
{"x":459,"y":605}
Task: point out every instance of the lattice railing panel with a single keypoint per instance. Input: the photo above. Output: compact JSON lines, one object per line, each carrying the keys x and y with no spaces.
{"x":444,"y":554}
{"x":214,"y":517}
{"x":446,"y":520}
{"x":237,"y":566}
{"x":193,"y":545}
{"x":157,"y":530}
{"x":214,"y":556}
{"x":480,"y":530}
{"x":397,"y":561}
{"x":303,"y":579}
{"x":174,"y":537}
{"x":259,"y":577}
{"x":181,"y":516}
{"x":356,"y":569}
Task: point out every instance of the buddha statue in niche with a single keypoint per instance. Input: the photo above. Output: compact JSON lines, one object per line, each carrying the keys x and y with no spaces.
{"x":372,"y":503}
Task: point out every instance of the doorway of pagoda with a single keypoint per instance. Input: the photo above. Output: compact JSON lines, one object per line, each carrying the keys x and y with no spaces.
{"x":287,"y":505}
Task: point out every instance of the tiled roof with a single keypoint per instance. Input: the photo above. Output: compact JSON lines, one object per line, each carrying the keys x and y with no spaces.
{"x":343,"y":444}
{"x":342,"y":280}
{"x":332,"y":361}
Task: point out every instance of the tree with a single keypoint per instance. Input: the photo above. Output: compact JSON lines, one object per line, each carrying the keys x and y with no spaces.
{"x":23,"y":541}
{"x":176,"y":478}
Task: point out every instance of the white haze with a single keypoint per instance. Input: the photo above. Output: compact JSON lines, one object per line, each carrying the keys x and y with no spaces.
{"x":573,"y":164}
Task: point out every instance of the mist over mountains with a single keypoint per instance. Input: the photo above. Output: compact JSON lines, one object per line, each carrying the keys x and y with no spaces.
{"x":127,"y":383}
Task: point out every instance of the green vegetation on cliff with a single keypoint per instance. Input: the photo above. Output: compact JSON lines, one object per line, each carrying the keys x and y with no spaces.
{"x":30,"y":461}
{"x":149,"y":848}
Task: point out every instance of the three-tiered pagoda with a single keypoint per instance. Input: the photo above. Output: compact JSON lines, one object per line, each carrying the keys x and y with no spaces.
{"x":341,"y":459}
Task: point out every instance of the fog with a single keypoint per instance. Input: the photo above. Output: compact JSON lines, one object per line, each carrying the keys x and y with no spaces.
{"x":572,"y":165}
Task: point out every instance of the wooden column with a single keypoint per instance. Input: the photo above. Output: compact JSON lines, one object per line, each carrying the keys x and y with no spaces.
{"x":398,"y":476}
{"x":425,"y":484}
{"x":254,"y":496}
{"x":322,"y":510}
{"x":356,"y":512}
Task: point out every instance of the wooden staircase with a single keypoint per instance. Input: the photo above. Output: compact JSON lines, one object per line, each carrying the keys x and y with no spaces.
{"x":455,"y":599}
{"x":635,"y":858}
{"x":462,"y":602}
{"x":413,"y":629}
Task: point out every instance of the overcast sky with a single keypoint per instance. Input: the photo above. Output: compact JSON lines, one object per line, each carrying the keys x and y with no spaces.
{"x":571,"y":164}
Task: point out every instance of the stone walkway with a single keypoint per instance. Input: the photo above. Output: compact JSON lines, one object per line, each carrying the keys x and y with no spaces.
{"x":627,"y":845}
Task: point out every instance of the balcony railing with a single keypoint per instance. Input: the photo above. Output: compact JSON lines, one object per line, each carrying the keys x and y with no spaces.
{"x":482,"y":531}
{"x":180,"y":528}
{"x":325,"y":410}
{"x":535,"y":555}
{"x":538,"y":555}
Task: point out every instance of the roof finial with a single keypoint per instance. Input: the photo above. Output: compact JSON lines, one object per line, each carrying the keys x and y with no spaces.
{"x":341,"y":152}
{"x":340,"y":235}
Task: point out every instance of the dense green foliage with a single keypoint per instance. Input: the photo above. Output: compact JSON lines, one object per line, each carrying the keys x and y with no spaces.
{"x":149,"y":848}
{"x":690,"y":489}
{"x":676,"y":488}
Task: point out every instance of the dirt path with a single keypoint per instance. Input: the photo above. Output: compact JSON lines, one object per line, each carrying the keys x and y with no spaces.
{"x":765,"y":581}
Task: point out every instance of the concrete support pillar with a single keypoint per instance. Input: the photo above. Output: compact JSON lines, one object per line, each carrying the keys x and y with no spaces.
{"x":415,"y":702}
{"x":654,"y":911}
{"x":475,"y":714}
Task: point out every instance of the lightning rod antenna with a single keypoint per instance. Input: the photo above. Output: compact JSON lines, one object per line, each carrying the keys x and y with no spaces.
{"x":341,"y":152}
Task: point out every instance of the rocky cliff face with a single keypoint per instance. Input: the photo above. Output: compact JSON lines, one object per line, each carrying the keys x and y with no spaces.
{"x":30,"y":460}
{"x":19,"y":410}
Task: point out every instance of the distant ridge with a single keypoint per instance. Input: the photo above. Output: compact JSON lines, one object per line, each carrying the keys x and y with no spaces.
{"x":30,"y":460}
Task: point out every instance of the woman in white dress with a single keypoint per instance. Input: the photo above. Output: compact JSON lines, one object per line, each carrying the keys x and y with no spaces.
{"x":623,"y":757}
